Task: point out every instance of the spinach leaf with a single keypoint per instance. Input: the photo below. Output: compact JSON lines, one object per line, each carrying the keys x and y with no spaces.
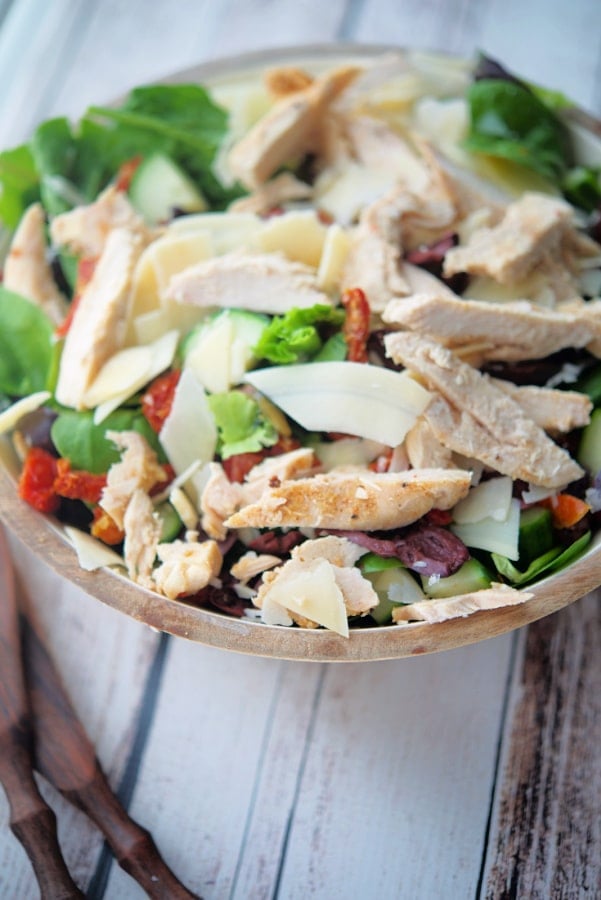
{"x":18,"y":184}
{"x":509,"y":121}
{"x":549,"y":562}
{"x":582,"y":187}
{"x":295,"y":337}
{"x":25,"y":345}
{"x":54,"y":148}
{"x":240,"y":425}
{"x":180,"y":121}
{"x":67,"y":165}
{"x":85,"y":444}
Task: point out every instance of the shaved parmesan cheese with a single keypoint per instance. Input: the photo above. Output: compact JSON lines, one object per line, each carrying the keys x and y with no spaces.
{"x":175,"y":252}
{"x":347,"y":452}
{"x":189,"y":433}
{"x":128,"y":371}
{"x":91,"y":553}
{"x":491,"y":534}
{"x":299,"y":235}
{"x":344,"y":192}
{"x":310,"y":590}
{"x":185,"y":510}
{"x":489,"y":499}
{"x":149,"y":326}
{"x":352,"y":398}
{"x":11,"y":416}
{"x":333,"y":257}
{"x":228,"y":231}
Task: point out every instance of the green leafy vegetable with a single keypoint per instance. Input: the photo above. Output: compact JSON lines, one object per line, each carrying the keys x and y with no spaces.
{"x":25,"y":345}
{"x":295,"y":337}
{"x":582,"y":187}
{"x":65,"y":165}
{"x":18,"y":184}
{"x":85,"y":444}
{"x":549,"y":562}
{"x":240,"y":424}
{"x":180,"y":121}
{"x":509,"y":121}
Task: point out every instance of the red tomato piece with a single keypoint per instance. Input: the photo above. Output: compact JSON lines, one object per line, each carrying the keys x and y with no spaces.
{"x":36,"y":484}
{"x":77,"y":484}
{"x":158,"y":399}
{"x":356,"y":324}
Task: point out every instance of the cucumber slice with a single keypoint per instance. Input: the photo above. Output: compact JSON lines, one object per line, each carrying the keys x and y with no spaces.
{"x":589,"y":452}
{"x":394,"y":587}
{"x":171,"y":524}
{"x":472,"y":576}
{"x":590,"y":383}
{"x":159,"y":186}
{"x":536,"y":534}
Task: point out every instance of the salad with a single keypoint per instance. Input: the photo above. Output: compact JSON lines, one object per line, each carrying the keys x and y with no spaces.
{"x":319,"y":348}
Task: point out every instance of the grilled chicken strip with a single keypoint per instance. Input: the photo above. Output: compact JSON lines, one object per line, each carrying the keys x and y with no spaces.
{"x":365,"y":501}
{"x":498,"y":331}
{"x":26,"y":269}
{"x":474,"y":417}
{"x":263,"y":282}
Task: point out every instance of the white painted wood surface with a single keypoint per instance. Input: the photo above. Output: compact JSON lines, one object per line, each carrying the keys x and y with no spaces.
{"x":261,"y":778}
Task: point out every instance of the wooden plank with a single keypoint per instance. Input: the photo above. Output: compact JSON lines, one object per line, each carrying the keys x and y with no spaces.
{"x":393,"y":798}
{"x":546,"y":828}
{"x":227,"y":728}
{"x":103,"y":658}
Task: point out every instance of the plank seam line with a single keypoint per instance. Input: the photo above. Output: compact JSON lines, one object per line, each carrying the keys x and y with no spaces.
{"x":267,"y":732}
{"x":299,"y":778}
{"x":98,"y":883}
{"x":497,"y":761}
{"x":349,"y":21}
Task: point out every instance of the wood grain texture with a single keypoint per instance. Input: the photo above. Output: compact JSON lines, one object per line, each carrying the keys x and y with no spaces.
{"x":546,"y":835}
{"x":103,"y":658}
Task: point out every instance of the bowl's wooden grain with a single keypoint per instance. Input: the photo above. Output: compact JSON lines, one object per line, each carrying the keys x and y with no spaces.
{"x":45,"y":538}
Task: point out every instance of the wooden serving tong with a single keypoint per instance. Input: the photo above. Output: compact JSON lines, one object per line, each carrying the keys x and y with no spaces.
{"x":40,"y":729}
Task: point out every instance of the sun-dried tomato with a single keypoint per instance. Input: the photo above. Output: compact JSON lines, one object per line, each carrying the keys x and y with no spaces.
{"x":85,"y":270}
{"x":438,"y":517}
{"x":126,"y":172}
{"x":356,"y":324}
{"x":77,"y":484}
{"x":36,"y":483}
{"x":158,"y":399}
{"x":105,"y":528}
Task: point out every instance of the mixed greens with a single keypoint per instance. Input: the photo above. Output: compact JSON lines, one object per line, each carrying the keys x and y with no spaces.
{"x":248,"y":384}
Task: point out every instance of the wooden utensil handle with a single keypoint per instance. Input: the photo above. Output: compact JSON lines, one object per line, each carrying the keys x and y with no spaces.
{"x":133,"y":846}
{"x":31,"y":820}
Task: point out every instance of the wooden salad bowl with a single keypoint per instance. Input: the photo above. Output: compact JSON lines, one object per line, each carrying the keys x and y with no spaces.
{"x":46,"y":539}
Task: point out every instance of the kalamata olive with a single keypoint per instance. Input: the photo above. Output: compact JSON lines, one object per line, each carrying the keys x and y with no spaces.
{"x":35,"y":428}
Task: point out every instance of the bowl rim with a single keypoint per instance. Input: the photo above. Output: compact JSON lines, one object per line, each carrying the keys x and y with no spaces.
{"x":46,"y":539}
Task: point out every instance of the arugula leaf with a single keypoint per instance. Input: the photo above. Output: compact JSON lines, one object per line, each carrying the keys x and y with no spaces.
{"x":508,"y":120}
{"x":25,"y":345}
{"x":85,"y":444}
{"x":18,"y":184}
{"x":294,"y":337}
{"x":549,"y":562}
{"x":240,"y":424}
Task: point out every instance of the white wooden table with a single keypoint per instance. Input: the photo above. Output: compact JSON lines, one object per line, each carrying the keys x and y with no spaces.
{"x":475,"y":773}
